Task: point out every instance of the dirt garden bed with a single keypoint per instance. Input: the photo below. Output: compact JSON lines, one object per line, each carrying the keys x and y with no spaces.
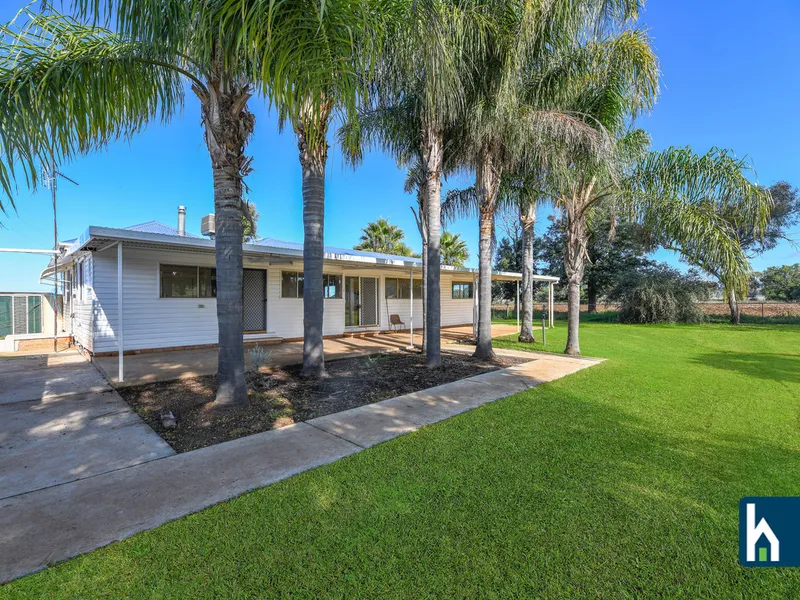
{"x":281,"y":397}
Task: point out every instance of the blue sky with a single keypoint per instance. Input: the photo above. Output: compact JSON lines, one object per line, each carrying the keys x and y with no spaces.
{"x":731,"y":78}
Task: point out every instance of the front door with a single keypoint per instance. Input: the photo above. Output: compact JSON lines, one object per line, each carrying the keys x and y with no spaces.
{"x":360,"y":301}
{"x":254,"y":300}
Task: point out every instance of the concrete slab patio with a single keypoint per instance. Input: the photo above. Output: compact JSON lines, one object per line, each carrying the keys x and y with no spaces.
{"x":179,"y":364}
{"x":52,"y":524}
{"x":60,"y":421}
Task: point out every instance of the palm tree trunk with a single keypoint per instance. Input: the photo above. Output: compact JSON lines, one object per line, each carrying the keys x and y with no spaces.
{"x":574,"y":263}
{"x":487,"y":180}
{"x":424,"y":295}
{"x":312,"y":162}
{"x":733,"y":303}
{"x":420,"y":217}
{"x":432,"y":154}
{"x":231,"y":390}
{"x":228,"y":126}
{"x":527,"y":217}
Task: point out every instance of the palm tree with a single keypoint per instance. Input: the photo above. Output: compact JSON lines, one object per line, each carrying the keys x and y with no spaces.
{"x":314,"y":57}
{"x":688,"y":200}
{"x":418,"y":90}
{"x":617,"y":80}
{"x":67,"y":89}
{"x":382,"y":236}
{"x":517,"y":106}
{"x":523,"y":195}
{"x":454,"y":250}
{"x":675,"y":193}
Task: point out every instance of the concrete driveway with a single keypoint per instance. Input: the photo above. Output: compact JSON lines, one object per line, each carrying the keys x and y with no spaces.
{"x":60,"y":421}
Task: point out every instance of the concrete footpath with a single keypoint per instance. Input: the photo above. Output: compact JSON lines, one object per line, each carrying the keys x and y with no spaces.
{"x":60,"y":421}
{"x":49,"y":525}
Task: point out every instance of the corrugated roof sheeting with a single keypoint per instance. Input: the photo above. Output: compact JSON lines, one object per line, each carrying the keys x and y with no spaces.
{"x":156,"y":227}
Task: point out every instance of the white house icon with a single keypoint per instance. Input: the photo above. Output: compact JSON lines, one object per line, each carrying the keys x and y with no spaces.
{"x":754,"y":534}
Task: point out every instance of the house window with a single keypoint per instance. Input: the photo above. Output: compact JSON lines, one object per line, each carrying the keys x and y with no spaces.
{"x":332,"y":286}
{"x":462,"y":291}
{"x":207,"y":277}
{"x":79,"y":274}
{"x":400,"y":289}
{"x":291,"y":284}
{"x":181,"y":281}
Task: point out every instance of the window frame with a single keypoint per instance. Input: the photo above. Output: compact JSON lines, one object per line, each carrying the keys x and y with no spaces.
{"x":417,"y":286}
{"x":471,"y":288}
{"x":197,"y":295}
{"x":299,"y":275}
{"x":339,"y":286}
{"x":79,"y":274}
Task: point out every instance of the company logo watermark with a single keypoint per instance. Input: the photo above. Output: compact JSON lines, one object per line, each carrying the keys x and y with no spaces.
{"x":769,"y":531}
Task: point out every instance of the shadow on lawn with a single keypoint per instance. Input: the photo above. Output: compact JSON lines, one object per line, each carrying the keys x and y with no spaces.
{"x":783,"y":368}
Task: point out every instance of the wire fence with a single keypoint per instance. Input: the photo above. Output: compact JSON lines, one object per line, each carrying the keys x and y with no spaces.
{"x":752,"y":312}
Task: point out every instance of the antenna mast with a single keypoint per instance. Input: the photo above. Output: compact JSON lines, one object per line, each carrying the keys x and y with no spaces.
{"x":50,"y":176}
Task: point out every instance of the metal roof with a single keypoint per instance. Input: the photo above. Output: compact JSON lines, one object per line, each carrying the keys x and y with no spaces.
{"x":275,"y":243}
{"x":158,"y":235}
{"x":156,"y":227}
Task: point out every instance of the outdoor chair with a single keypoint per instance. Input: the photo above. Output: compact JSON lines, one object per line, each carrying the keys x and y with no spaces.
{"x":395,"y":320}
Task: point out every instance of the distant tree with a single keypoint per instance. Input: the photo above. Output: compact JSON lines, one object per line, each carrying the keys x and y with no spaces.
{"x":249,"y":221}
{"x":508,"y":257}
{"x":616,"y":250}
{"x":454,"y":249}
{"x":783,"y":215}
{"x":381,"y":236}
{"x":781,"y":283}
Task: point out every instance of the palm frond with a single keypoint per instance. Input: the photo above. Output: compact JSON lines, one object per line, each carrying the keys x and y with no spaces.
{"x":68,"y":88}
{"x":460,"y":204}
{"x":685,"y":197}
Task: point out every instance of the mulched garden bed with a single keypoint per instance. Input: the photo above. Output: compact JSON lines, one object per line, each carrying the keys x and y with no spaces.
{"x":281,"y":397}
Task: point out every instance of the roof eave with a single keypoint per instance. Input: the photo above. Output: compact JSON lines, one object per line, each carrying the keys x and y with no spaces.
{"x":123,"y":235}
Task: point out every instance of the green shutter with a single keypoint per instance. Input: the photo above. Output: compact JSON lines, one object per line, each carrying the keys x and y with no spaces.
{"x":34,"y":314}
{"x":6,"y":318}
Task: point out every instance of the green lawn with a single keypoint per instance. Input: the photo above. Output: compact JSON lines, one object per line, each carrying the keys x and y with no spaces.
{"x":619,"y":481}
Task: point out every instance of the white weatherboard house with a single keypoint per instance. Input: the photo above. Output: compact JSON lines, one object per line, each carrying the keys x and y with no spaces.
{"x":163,"y":283}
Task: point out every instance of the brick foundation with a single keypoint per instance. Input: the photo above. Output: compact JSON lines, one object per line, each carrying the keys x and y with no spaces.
{"x":44,"y":344}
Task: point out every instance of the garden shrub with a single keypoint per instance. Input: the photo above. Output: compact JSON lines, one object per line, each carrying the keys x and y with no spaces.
{"x":665,"y":297}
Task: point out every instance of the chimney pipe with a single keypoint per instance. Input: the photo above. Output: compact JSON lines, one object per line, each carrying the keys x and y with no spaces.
{"x":181,"y":221}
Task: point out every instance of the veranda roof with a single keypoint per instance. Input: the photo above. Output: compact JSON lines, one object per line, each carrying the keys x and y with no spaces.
{"x":154,"y":235}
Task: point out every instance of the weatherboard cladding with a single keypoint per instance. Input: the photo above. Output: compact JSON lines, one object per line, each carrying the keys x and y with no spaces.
{"x":154,"y":322}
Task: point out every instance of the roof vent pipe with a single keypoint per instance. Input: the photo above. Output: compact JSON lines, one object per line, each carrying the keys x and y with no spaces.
{"x":181,"y":221}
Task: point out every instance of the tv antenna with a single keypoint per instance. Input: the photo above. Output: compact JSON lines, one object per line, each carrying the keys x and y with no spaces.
{"x":50,"y":175}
